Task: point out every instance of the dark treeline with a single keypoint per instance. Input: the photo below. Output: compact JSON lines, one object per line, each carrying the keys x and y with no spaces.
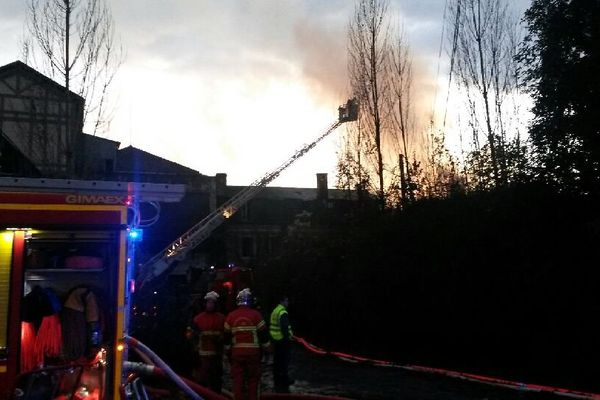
{"x":484,"y":264}
{"x":501,"y":282}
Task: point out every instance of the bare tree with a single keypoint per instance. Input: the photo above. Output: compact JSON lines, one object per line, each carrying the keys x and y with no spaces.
{"x":385,"y":146}
{"x":73,"y":41}
{"x":483,"y":60}
{"x":351,"y":174}
{"x":437,"y":174}
{"x":368,"y":55}
{"x":400,"y":105}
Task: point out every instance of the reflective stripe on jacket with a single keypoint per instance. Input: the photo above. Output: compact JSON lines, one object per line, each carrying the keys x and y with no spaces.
{"x":211,"y":327}
{"x":275,"y":323}
{"x":245,"y":331}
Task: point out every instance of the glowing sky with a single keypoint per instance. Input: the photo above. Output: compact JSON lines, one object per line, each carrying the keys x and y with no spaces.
{"x":237,"y":86}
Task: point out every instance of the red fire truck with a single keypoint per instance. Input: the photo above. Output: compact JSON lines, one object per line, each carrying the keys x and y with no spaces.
{"x":66,"y":277}
{"x":228,"y":281}
{"x":66,"y":265}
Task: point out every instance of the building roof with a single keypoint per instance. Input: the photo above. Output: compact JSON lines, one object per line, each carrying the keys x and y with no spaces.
{"x":131,"y":159}
{"x":292,"y":193}
{"x":93,"y":138}
{"x":20,"y":67}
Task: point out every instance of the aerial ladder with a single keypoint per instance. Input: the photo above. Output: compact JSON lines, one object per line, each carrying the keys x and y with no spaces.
{"x":198,"y":233}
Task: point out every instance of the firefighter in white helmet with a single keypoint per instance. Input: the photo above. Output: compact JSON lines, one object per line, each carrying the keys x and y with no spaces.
{"x":210,"y":324}
{"x":245,"y":335}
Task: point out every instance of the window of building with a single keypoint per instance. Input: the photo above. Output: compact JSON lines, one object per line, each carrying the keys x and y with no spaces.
{"x":245,"y":212}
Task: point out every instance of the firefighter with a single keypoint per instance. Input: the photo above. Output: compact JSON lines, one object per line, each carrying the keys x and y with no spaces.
{"x":281,"y":334}
{"x":245,"y":334}
{"x":210,"y":325}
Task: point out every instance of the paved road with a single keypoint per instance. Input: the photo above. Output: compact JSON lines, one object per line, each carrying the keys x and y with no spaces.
{"x":324,"y":375}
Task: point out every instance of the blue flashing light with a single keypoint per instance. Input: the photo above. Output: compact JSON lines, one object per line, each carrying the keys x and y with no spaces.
{"x":136,"y":235}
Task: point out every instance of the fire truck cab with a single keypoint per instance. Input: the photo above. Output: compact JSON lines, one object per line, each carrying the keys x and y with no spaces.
{"x":67,"y":251}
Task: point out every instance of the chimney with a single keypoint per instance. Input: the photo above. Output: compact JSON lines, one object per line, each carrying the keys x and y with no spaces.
{"x":322,"y":191}
{"x":220,"y":183}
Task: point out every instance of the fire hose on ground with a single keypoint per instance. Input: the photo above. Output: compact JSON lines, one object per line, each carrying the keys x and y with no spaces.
{"x":163,"y":367}
{"x":195,"y":391}
{"x":191,"y":388}
{"x":526,"y":387}
{"x":143,"y":369}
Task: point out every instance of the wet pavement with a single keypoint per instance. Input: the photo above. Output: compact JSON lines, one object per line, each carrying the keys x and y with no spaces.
{"x":326,"y":375}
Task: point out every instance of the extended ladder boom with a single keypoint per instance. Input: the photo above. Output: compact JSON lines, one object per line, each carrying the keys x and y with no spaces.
{"x":177,"y":250}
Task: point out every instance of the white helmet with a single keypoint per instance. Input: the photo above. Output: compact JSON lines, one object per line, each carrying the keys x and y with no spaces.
{"x":244,"y":297}
{"x":214,"y":296}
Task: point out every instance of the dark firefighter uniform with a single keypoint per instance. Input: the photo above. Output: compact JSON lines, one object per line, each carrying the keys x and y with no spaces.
{"x":210,"y":348}
{"x":245,"y":334}
{"x":281,"y":333}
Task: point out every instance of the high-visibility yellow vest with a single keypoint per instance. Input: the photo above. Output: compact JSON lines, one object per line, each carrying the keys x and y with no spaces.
{"x":275,"y":326}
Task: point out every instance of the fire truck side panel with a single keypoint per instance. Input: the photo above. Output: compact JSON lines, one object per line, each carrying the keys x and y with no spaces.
{"x":20,"y":219}
{"x":120,"y":315}
{"x":59,"y":214}
{"x":11,"y":259}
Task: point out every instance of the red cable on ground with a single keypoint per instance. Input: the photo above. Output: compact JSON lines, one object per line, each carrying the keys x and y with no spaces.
{"x":454,"y":374}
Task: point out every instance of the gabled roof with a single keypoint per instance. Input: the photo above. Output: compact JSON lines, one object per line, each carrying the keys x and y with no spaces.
{"x":293,"y":193}
{"x":98,"y":139}
{"x":16,"y":67}
{"x":131,"y":159}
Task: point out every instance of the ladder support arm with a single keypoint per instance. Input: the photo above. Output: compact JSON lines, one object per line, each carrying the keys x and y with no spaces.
{"x":198,"y":233}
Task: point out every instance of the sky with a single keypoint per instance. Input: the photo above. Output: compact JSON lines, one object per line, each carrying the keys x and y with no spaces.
{"x":237,"y":86}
